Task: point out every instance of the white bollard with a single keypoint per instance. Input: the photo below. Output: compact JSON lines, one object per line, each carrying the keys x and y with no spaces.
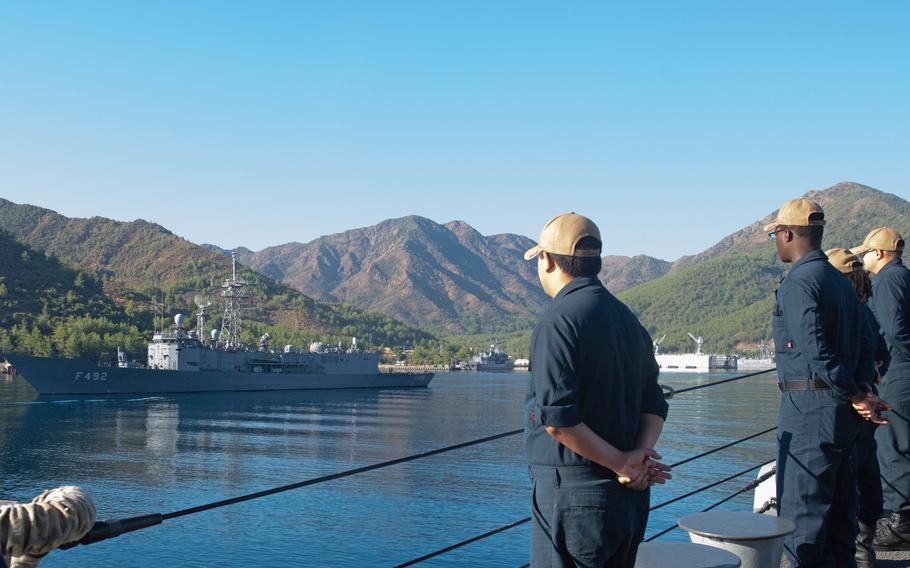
{"x":757,"y":539}
{"x":666,"y":554}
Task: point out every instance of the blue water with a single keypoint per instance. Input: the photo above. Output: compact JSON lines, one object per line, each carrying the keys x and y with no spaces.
{"x":138,"y":455}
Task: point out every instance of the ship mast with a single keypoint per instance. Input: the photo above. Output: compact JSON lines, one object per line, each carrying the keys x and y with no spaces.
{"x":232,"y":292}
{"x":203,"y":303}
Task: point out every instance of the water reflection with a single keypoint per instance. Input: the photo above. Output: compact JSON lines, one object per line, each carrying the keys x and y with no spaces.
{"x":157,"y":454}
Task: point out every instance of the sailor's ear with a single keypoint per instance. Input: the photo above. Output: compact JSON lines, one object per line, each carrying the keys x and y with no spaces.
{"x":549,"y":265}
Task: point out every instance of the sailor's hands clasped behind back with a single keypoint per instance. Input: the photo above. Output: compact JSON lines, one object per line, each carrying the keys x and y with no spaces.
{"x":870,"y":406}
{"x":641,"y":469}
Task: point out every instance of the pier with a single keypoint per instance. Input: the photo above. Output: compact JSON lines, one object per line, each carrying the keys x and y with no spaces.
{"x":416,"y":368}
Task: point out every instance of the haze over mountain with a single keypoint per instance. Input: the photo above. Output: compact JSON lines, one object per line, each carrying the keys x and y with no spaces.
{"x":141,"y":257}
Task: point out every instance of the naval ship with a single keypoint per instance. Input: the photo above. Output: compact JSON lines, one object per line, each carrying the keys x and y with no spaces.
{"x":182,"y":360}
{"x":493,"y":360}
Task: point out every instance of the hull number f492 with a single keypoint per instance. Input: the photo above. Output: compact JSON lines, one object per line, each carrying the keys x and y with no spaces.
{"x":91,"y":376}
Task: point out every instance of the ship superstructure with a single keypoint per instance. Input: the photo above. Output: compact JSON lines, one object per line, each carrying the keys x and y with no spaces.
{"x":493,"y":360}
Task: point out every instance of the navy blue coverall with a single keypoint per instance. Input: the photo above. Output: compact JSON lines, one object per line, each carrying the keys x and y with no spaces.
{"x":817,"y":337}
{"x":591,"y":362}
{"x":891,"y":304}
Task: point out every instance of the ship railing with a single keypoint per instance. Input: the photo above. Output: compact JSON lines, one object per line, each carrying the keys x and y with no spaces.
{"x":104,"y":530}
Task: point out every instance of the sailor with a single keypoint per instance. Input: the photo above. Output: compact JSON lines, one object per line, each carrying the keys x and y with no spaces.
{"x":873,"y":360}
{"x":816,"y":328}
{"x":593,"y":412}
{"x":881,"y":253}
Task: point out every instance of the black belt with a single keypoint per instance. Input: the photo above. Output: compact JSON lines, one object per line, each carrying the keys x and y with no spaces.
{"x":803,"y":385}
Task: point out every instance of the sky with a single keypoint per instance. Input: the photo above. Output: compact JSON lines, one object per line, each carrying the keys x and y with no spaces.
{"x":671,"y":124}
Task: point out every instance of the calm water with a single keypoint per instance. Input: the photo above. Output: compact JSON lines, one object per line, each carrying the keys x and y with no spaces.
{"x":160,"y":454}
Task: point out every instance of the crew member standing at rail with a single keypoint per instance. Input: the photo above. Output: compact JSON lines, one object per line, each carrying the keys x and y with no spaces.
{"x":881,"y":253}
{"x":873,"y":359}
{"x":594,"y":410}
{"x":816,"y":327}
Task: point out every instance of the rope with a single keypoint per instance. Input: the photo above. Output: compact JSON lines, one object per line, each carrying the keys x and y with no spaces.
{"x":748,"y":487}
{"x":722,"y":381}
{"x":104,"y":530}
{"x":464,"y":543}
{"x":28,"y":531}
{"x":527,"y":519}
{"x":724,"y":447}
{"x":705,"y":488}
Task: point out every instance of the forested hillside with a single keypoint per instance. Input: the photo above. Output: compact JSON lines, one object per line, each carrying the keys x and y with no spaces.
{"x":138,"y":261}
{"x":47,"y":308}
{"x":726,"y":293}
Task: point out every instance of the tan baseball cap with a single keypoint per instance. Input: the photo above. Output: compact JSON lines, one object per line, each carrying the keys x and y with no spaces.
{"x":798,"y":212}
{"x":844,"y":260}
{"x":883,"y":238}
{"x":561,"y":235}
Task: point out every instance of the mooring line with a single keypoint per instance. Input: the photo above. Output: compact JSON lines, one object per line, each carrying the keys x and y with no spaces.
{"x":722,"y":381}
{"x":104,"y":530}
{"x":748,"y":487}
{"x":675,"y":499}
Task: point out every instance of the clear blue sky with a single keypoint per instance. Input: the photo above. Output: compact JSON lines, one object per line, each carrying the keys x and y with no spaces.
{"x":257,"y":123}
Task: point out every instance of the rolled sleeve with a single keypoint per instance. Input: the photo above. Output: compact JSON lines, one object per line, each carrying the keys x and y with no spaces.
{"x":554,"y":374}
{"x":652,"y":400}
{"x":560,"y":416}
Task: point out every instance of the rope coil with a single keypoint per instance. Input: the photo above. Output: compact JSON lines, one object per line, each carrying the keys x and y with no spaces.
{"x":30,"y":531}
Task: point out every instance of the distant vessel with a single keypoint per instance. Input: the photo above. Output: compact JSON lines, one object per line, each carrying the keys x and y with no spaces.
{"x":694,"y":362}
{"x":493,"y":360}
{"x":766,"y":361}
{"x":183,"y":361}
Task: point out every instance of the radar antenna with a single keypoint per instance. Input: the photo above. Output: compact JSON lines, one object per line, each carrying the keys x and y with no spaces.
{"x":203,"y":302}
{"x":699,"y":342}
{"x":232,"y":292}
{"x":657,"y":344}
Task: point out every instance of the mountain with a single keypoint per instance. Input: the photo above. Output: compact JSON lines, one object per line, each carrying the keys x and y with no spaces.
{"x":48,"y":308}
{"x":446,"y":278}
{"x":726,"y":292}
{"x":623,"y":272}
{"x":243,"y":254}
{"x":145,"y":258}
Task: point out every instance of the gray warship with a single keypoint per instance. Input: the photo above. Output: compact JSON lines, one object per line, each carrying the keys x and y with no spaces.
{"x":181,"y":360}
{"x":493,"y":360}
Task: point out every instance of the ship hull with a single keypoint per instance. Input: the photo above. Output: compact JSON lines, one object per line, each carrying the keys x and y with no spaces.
{"x":52,"y":376}
{"x":493,"y":366}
